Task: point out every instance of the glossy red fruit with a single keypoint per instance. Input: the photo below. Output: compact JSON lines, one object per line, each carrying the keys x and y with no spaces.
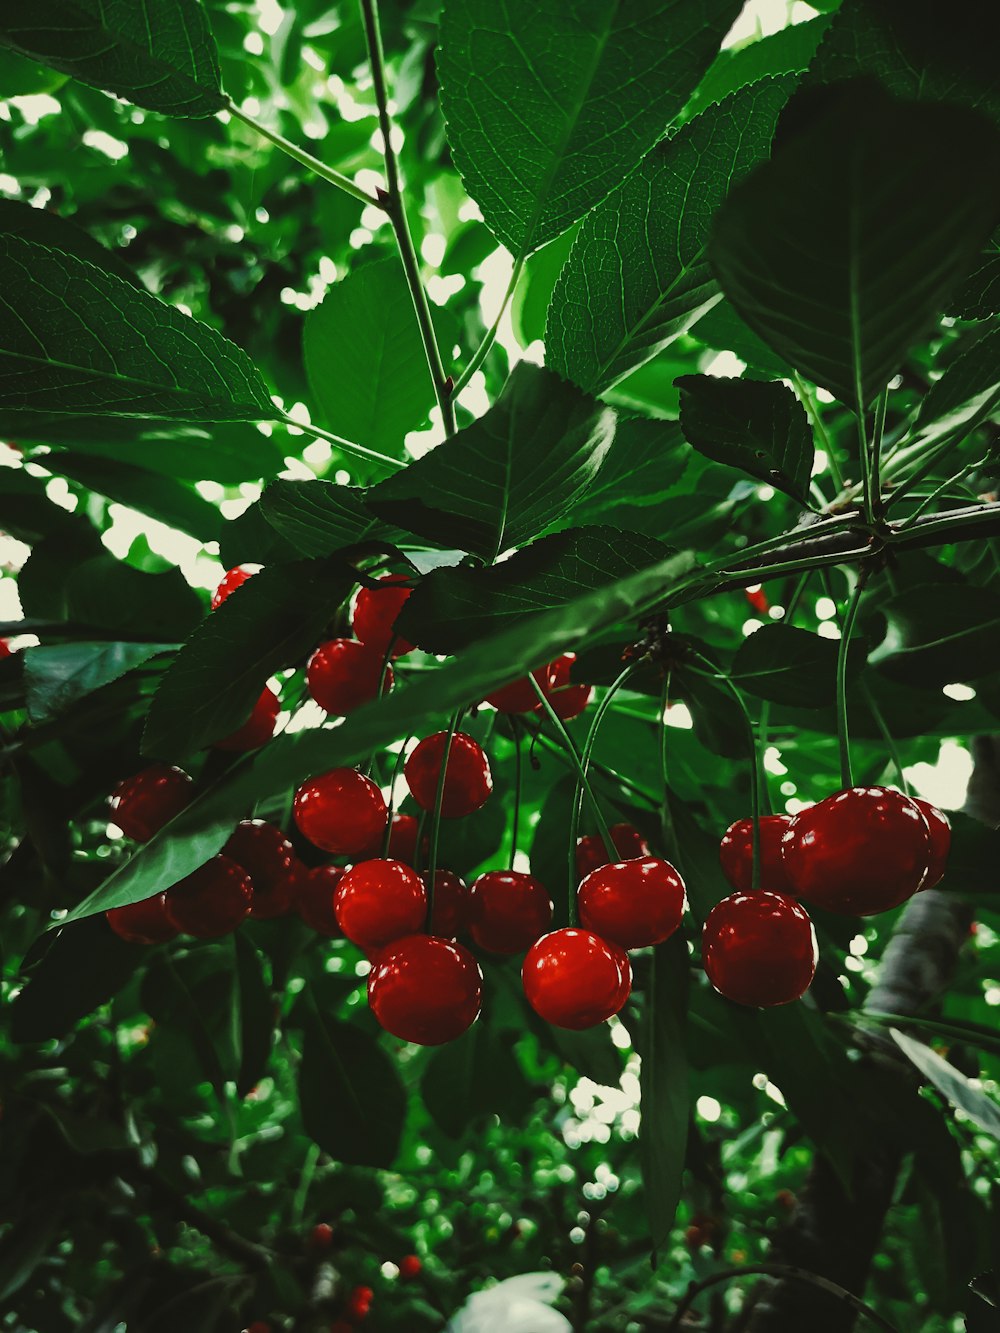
{"x":403,"y":839}
{"x":425,"y":989}
{"x":341,"y":811}
{"x":757,"y":598}
{"x":574,"y":979}
{"x":759,"y":948}
{"x":269,"y":859}
{"x":450,"y":916}
{"x":940,"y":840}
{"x":142,"y":804}
{"x":313,"y":898}
{"x":519,"y":696}
{"x":212,"y":900}
{"x":379,"y":901}
{"x":409,"y":1267}
{"x":321,"y":1236}
{"x":375,"y":611}
{"x":508,"y":911}
{"x":5,"y":649}
{"x":736,"y":854}
{"x":568,"y":701}
{"x":633,"y":903}
{"x":859,"y":852}
{"x":343,"y":674}
{"x":230,"y":582}
{"x":591,"y":852}
{"x":468,"y":780}
{"x":258,"y":729}
{"x":359,"y":1303}
{"x":142,"y":923}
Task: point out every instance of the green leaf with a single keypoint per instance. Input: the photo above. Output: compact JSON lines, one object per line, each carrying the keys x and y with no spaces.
{"x":452,"y":608}
{"x":320,"y":518}
{"x":135,"y":604}
{"x":793,"y":666}
{"x":365,"y":359}
{"x":665,"y":1104}
{"x":972,"y":858}
{"x":476,"y":1075}
{"x":74,"y":339}
{"x":940,"y":634}
{"x":190,"y":996}
{"x":638,"y":275}
{"x":723,"y":329}
{"x":815,"y":254}
{"x":270,"y":622}
{"x":788,"y":51}
{"x":979,"y":295}
{"x":549,"y":106}
{"x":914,"y":54}
{"x":759,"y":427}
{"x":955,"y":1031}
{"x":953,"y":1085}
{"x":966,"y":394}
{"x":58,"y":233}
{"x":508,"y":476}
{"x":56,"y":676}
{"x":252,"y":1013}
{"x":644,"y":464}
{"x":158,"y":55}
{"x":353,"y":1103}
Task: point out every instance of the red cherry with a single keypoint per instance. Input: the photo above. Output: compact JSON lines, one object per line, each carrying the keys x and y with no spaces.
{"x":142,"y":804}
{"x":269,"y":859}
{"x":759,"y":948}
{"x":212,"y":900}
{"x":375,"y":612}
{"x":508,"y":911}
{"x":340,"y":1326}
{"x":343,"y":674}
{"x":468,"y":780}
{"x":519,"y":696}
{"x":757,"y":598}
{"x":450,"y":915}
{"x":591,"y":853}
{"x":321,"y":1236}
{"x":409,"y":1267}
{"x":359,"y":1303}
{"x":425,"y":989}
{"x":403,"y":839}
{"x":313,"y":897}
{"x":232,"y":580}
{"x":633,"y":903}
{"x":143,"y":922}
{"x":568,"y":701}
{"x":258,"y":729}
{"x":859,"y":852}
{"x":574,"y":979}
{"x":5,"y":649}
{"x":379,"y":901}
{"x":940,"y":840}
{"x":341,"y":811}
{"x":736,"y":854}
{"x":258,"y":1326}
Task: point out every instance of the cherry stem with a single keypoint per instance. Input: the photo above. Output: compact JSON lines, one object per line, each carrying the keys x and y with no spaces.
{"x":887,"y":736}
{"x":516,"y":732}
{"x":812,"y":411}
{"x":866,"y":464}
{"x":664,"y":706}
{"x":764,"y":717}
{"x":781,"y":1271}
{"x":396,"y":209}
{"x":396,"y":768}
{"x":436,"y":820}
{"x":843,"y":652}
{"x":344,"y":445}
{"x":482,"y":351}
{"x":878,"y":430}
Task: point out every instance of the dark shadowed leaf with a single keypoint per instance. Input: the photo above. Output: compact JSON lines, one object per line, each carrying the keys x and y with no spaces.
{"x":758,"y":427}
{"x":817,"y":258}
{"x":979,"y":295}
{"x":57,"y":675}
{"x":252,"y":1013}
{"x":638,"y":274}
{"x":508,"y":476}
{"x":58,"y":233}
{"x":940,"y":634}
{"x":550,"y":106}
{"x":136,"y":604}
{"x":723,"y":329}
{"x":474,"y":1076}
{"x":953,"y":1085}
{"x":792,"y":666}
{"x":966,"y":394}
{"x":644,"y":464}
{"x":320,"y":517}
{"x":161,"y":56}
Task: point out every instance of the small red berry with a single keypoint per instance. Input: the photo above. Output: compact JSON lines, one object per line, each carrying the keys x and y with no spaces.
{"x":574,"y":979}
{"x":379,"y":901}
{"x":759,"y":949}
{"x":321,"y":1236}
{"x":591,"y":852}
{"x":425,"y":989}
{"x":313,"y":897}
{"x":940,"y":840}
{"x":375,"y":612}
{"x":450,"y":915}
{"x":409,"y":1267}
{"x":403,"y":839}
{"x":508,"y":911}
{"x":519,"y":696}
{"x":785,"y":1199}
{"x":633,"y":903}
{"x":142,"y":804}
{"x":757,"y":598}
{"x":359,"y":1303}
{"x":5,"y":649}
{"x":568,"y":701}
{"x":143,"y":922}
{"x":230,"y":582}
{"x":861,"y":851}
{"x":340,"y":1326}
{"x":212,"y":900}
{"x":258,"y":1326}
{"x":269,"y":859}
{"x":341,"y":811}
{"x":343,"y":674}
{"x":468,"y":780}
{"x":736,"y":854}
{"x":258,"y":729}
